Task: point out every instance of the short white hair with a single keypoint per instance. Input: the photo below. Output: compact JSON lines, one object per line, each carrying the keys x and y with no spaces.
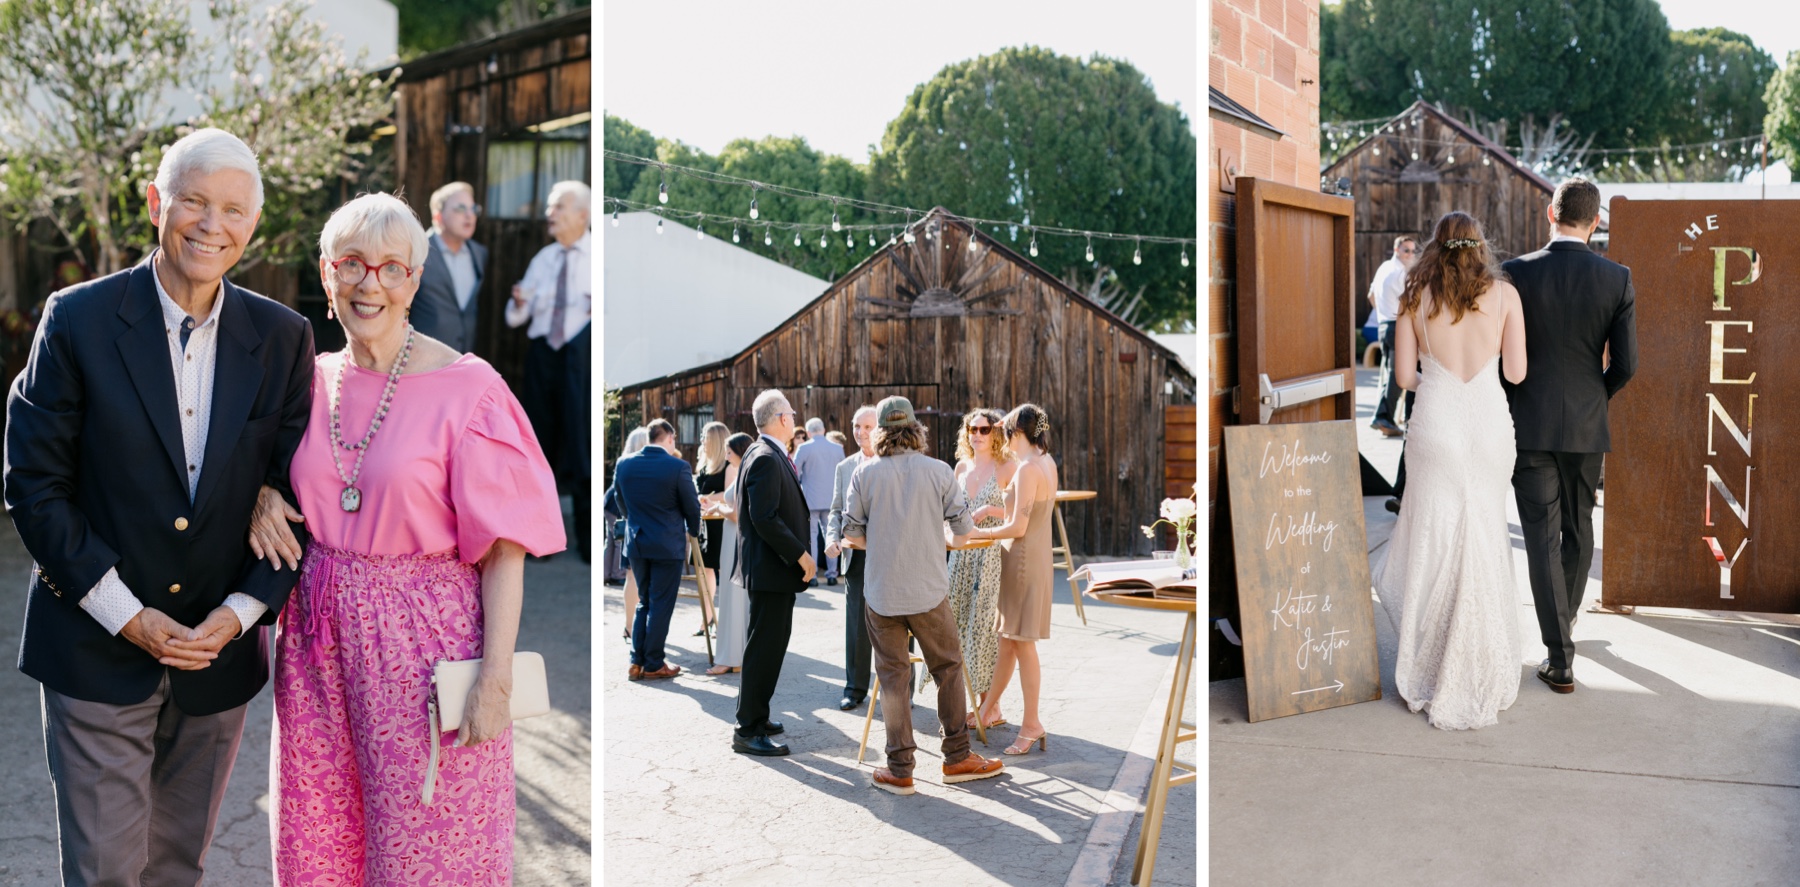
{"x":582,"y":193}
{"x":374,"y":221}
{"x":860,"y":411}
{"x":815,"y":426}
{"x":203,"y":152}
{"x":768,"y":407}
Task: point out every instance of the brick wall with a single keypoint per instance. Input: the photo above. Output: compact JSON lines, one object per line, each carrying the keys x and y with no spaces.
{"x":1261,"y":50}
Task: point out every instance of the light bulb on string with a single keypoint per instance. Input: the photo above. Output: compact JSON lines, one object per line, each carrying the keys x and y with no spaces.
{"x":753,"y":211}
{"x":1137,"y":254}
{"x":971,"y":240}
{"x":659,"y":225}
{"x":1485,"y":161}
{"x":1184,"y":257}
{"x":796,"y":238}
{"x":615,"y":215}
{"x":821,"y":240}
{"x":662,"y":188}
{"x":699,"y":230}
{"x":871,"y":238}
{"x":768,"y":238}
{"x":1034,"y":244}
{"x":835,"y":224}
{"x":734,"y":234}
{"x":1090,"y":248}
{"x":850,"y":240}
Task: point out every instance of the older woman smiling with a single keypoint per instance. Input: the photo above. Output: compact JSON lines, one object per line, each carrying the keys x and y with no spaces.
{"x":423,"y":487}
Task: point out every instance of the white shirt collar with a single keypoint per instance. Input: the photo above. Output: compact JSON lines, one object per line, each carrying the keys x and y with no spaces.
{"x":581,"y":246}
{"x":173,"y":313}
{"x":1561,"y":237}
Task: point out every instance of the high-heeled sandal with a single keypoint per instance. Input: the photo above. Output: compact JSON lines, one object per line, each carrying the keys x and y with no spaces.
{"x":997,"y":722}
{"x":718,"y":670}
{"x":1042,"y":740}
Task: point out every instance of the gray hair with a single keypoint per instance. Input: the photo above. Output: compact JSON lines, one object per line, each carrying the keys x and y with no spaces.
{"x":768,"y":406}
{"x":815,"y":426}
{"x":374,"y":220}
{"x":638,"y":439}
{"x":442,"y":195}
{"x":857,"y":416}
{"x":203,"y":152}
{"x":581,"y":192}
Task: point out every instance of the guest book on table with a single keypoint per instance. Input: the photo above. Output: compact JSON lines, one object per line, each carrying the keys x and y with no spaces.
{"x":1154,"y":578}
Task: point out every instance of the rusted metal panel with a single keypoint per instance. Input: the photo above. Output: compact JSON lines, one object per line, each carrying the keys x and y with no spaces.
{"x":1699,"y":485}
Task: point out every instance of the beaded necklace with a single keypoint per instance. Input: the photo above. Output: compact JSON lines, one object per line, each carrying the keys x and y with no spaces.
{"x":351,"y":500}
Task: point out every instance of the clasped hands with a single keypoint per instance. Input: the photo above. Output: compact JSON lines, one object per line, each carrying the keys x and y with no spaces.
{"x":177,"y":646}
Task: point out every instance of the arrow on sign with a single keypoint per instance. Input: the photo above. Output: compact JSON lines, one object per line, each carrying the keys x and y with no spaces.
{"x":1335,"y":686}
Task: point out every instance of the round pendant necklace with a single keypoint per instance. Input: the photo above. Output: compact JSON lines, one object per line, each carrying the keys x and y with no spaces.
{"x":351,"y":500}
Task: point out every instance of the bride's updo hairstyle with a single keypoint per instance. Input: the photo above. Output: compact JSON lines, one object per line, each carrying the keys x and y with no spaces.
{"x":1456,"y":266}
{"x":1031,"y":421}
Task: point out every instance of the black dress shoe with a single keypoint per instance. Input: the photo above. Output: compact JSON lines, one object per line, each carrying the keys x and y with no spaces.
{"x":851,"y":701}
{"x":757,"y":745}
{"x":1562,"y":680}
{"x":771,"y":728}
{"x":812,"y":583}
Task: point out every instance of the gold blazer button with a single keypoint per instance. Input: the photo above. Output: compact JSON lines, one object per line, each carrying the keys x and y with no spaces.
{"x":175,"y":589}
{"x":180,"y":523}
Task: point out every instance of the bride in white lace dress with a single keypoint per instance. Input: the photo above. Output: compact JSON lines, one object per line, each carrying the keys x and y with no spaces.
{"x":1446,"y":579}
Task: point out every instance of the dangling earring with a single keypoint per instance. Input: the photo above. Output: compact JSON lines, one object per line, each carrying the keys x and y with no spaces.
{"x":329,"y":314}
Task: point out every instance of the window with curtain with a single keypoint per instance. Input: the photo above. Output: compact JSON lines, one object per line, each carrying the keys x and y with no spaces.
{"x":520,"y":172}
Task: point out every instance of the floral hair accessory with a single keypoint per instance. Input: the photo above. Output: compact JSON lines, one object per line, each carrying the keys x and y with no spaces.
{"x":1460,"y":244}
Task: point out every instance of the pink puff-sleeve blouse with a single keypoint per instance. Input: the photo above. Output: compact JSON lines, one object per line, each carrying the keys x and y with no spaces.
{"x":455,"y":465}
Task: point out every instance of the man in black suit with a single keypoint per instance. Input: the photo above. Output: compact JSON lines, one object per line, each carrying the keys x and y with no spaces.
{"x":156,"y":403}
{"x":445,"y":307}
{"x":774,"y":564}
{"x":1580,"y":311}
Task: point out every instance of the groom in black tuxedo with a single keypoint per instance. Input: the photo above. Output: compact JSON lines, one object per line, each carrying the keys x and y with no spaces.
{"x":1579,"y":311}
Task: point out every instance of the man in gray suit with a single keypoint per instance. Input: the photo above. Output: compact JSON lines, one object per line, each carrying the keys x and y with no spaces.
{"x":817,"y":462}
{"x":856,"y":631}
{"x":444,"y":308}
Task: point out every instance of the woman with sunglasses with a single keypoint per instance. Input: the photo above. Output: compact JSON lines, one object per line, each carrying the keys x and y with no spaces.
{"x":424,"y":487}
{"x":1027,"y":579}
{"x":984,"y":468}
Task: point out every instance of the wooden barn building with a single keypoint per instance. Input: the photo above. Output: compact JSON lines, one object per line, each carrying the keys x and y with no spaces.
{"x":1424,"y":163}
{"x":953,"y":330}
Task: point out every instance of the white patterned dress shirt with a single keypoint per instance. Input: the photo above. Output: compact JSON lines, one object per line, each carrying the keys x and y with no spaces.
{"x":539,"y":287}
{"x":110,"y":601}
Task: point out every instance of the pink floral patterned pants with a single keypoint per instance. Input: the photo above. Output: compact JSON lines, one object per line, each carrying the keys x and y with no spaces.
{"x":353,"y":658}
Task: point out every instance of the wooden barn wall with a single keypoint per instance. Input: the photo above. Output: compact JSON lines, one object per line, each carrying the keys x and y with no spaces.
{"x":1107,"y":420}
{"x":1396,"y":194}
{"x":533,"y":84}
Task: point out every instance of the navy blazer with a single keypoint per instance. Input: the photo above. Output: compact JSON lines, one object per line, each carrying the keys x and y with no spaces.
{"x":96,"y":478}
{"x":1575,"y":304}
{"x":773,"y":521}
{"x":435,"y":311}
{"x":662,"y":508}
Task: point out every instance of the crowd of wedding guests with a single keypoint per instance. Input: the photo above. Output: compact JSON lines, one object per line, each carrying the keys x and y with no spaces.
{"x":955,"y":561}
{"x":394,"y":488}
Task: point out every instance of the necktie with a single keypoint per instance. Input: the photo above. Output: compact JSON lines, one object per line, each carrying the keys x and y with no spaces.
{"x":558,"y":336}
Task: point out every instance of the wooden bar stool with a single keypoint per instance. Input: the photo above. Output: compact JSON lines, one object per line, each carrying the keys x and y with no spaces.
{"x":875,"y":699}
{"x":1062,"y":549}
{"x":703,"y":590}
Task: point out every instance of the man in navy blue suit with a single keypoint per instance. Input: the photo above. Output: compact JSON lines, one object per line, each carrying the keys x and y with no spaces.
{"x":156,"y":403}
{"x":662,"y":510}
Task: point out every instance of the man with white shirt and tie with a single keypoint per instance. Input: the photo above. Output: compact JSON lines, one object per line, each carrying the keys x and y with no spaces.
{"x":556,"y":298}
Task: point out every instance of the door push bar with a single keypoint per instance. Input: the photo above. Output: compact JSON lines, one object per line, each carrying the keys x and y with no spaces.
{"x":1273,"y":396}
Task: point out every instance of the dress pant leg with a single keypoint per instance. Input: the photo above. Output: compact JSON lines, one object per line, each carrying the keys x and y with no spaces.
{"x":765,"y":648}
{"x":539,"y":398}
{"x":1580,"y":476}
{"x":1390,"y":384}
{"x":888,"y":640}
{"x":856,"y":629}
{"x":659,"y":584}
{"x":1537,"y":488}
{"x":939,"y":644}
{"x":193,"y":762}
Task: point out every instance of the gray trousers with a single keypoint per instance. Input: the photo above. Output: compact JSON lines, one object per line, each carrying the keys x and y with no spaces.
{"x":138,"y":787}
{"x":815,"y":534}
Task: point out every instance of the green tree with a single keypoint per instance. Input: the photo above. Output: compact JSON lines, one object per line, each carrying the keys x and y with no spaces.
{"x":620,"y":135}
{"x":427,"y":26}
{"x":1783,"y":122}
{"x":1028,"y":135}
{"x":1599,"y":64}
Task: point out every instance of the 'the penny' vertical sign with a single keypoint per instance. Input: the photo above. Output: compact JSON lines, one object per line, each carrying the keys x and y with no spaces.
{"x":1698,"y":485}
{"x":1307,"y":617}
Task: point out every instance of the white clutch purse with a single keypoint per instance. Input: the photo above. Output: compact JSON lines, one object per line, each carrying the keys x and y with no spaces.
{"x":450,"y":685}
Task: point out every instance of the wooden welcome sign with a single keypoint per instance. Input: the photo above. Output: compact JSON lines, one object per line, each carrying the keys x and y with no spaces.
{"x":1700,"y":485}
{"x":1305,"y":611}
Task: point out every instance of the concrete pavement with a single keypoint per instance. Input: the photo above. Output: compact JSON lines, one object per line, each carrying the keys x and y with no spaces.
{"x":1674,"y":762}
{"x":682,"y":808}
{"x":551,"y":753}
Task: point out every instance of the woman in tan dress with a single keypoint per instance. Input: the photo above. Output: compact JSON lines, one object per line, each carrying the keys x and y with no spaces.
{"x":1026,"y":577}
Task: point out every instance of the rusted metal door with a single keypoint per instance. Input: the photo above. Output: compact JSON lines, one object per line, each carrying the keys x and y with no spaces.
{"x":1700,"y":483}
{"x":1296,"y":315}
